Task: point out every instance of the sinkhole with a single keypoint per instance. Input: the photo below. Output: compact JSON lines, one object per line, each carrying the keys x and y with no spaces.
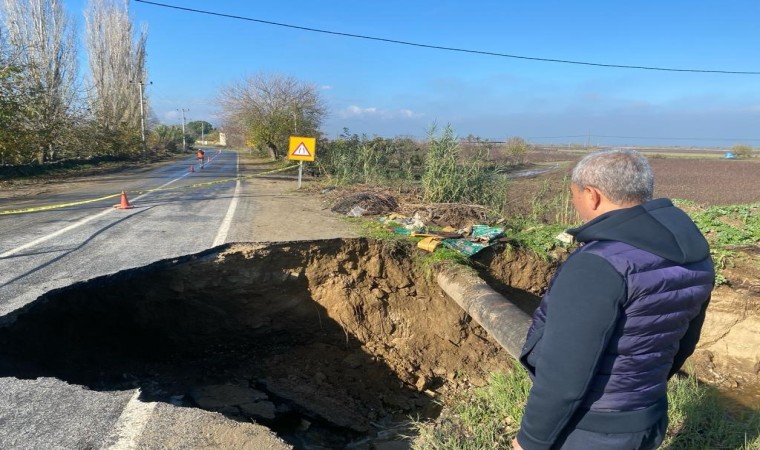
{"x":325,"y":342}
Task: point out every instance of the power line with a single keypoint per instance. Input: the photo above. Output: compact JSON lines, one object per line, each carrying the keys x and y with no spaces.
{"x":451,"y":49}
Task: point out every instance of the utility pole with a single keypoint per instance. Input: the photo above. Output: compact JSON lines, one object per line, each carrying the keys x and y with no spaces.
{"x":140,"y":84}
{"x":202,"y":128}
{"x":184,"y":139}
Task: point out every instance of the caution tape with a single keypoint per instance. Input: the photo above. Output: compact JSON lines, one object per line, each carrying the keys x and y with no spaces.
{"x":100,"y":199}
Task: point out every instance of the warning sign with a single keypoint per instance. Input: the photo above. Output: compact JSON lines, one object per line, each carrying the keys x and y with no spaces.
{"x":302,"y":148}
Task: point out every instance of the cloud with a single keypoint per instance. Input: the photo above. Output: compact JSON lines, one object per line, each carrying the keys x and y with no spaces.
{"x":354,"y":111}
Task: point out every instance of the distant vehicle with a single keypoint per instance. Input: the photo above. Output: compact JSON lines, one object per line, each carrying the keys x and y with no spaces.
{"x":729,"y":155}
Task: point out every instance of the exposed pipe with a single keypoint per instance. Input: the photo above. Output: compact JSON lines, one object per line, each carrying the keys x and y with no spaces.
{"x":504,"y":321}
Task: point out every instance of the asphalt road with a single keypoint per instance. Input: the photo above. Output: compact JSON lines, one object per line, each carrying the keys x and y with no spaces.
{"x":43,"y":250}
{"x":175,"y":213}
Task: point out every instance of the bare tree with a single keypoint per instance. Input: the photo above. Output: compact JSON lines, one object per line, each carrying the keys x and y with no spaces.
{"x":41,"y":41}
{"x":117,"y":64}
{"x":269,"y":108}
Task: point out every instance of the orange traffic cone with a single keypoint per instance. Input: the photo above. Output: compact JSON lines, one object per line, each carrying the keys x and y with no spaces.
{"x":124,"y":202}
{"x":192,"y":168}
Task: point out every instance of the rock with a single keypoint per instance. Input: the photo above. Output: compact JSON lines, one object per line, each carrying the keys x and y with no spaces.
{"x":304,"y":425}
{"x":344,"y":412}
{"x":259,"y":410}
{"x":440,"y":371}
{"x":223,"y":395}
{"x":421,"y":383}
{"x":354,"y":360}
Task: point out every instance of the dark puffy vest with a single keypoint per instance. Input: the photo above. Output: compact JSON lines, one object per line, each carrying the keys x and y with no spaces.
{"x":662,"y":298}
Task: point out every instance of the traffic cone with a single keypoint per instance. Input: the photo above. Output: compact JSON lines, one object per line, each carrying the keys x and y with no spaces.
{"x":192,"y":168}
{"x":124,"y":202}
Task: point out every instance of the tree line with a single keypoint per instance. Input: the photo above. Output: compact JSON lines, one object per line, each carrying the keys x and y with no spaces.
{"x":49,"y":111}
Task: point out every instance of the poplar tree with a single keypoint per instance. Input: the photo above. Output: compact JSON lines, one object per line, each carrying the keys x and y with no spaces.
{"x":117,"y":62}
{"x":41,"y":48}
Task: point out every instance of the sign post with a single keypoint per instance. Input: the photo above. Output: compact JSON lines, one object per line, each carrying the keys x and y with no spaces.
{"x":302,"y":149}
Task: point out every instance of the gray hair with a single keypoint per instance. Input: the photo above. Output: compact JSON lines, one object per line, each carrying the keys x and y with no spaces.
{"x":624,"y":176}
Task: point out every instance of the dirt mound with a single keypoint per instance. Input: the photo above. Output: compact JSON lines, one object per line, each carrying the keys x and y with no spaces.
{"x":371,"y":203}
{"x":457,"y":215}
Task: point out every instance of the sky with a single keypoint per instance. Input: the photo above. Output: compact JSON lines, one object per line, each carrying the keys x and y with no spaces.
{"x":386,"y":89}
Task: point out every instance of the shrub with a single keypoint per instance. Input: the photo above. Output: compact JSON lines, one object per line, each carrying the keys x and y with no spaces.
{"x":448,"y":178}
{"x":359,"y":159}
{"x":517,"y":149}
{"x":742,"y":150}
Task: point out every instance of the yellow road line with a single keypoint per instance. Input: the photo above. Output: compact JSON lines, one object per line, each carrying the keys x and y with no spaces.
{"x":84,"y":202}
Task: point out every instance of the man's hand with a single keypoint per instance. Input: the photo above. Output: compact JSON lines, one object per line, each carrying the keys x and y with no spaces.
{"x":516,"y":445}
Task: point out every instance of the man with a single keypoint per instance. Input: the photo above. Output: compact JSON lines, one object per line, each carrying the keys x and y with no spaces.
{"x":200,"y":154}
{"x":620,"y":317}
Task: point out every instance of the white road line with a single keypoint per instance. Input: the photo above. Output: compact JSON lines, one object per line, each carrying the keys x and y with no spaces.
{"x":128,"y":428}
{"x":75,"y":225}
{"x":224,"y":228}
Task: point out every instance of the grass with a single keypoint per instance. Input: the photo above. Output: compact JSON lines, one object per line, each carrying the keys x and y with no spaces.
{"x":483,"y":418}
{"x":699,"y":420}
{"x":488,"y":418}
{"x":727,"y":228}
{"x":430,"y":262}
{"x":424,"y":260}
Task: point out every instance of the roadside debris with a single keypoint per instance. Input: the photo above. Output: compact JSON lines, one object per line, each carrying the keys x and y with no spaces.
{"x":468,"y":241}
{"x":370,"y":203}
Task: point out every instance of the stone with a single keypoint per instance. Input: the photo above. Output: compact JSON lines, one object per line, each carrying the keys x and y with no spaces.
{"x":223,"y":395}
{"x":259,"y":410}
{"x":354,"y":360}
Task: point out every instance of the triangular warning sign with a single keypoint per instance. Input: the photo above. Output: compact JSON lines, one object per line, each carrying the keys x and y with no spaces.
{"x":301,"y":150}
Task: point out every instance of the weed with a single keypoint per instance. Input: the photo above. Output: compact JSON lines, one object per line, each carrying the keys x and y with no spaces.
{"x":373,"y":229}
{"x":485,"y":418}
{"x":431,"y":262}
{"x":489,"y":418}
{"x":537,"y":237}
{"x":354,"y":159}
{"x":698,"y":419}
{"x":553,"y":205}
{"x":726,"y":227}
{"x":447,"y":178}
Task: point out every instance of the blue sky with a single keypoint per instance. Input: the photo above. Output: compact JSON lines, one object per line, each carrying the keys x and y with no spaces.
{"x":386,"y":89}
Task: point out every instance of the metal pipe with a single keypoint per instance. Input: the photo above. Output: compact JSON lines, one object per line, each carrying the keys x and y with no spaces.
{"x":504,"y":321}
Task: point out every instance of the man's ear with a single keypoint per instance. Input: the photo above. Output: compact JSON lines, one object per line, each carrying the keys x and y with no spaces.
{"x":594,"y":197}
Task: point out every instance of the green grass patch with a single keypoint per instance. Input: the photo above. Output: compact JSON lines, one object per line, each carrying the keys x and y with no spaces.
{"x":731,"y":225}
{"x":488,"y":418}
{"x":726,"y":228}
{"x":374,"y":229}
{"x":699,"y":419}
{"x":537,"y":237}
{"x":482,"y":419}
{"x":430,"y":262}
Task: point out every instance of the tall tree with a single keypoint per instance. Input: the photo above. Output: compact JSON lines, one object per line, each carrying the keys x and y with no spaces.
{"x":41,"y":41}
{"x":269,"y":108}
{"x":10,"y":107}
{"x":199,"y":128}
{"x":117,"y":65}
